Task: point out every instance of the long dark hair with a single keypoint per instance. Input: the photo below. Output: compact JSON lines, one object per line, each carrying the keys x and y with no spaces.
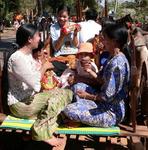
{"x":22,"y":35}
{"x":24,"y":32}
{"x":64,"y":8}
{"x":116,"y":32}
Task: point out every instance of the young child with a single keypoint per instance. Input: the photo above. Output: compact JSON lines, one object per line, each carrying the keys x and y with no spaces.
{"x":38,"y":55}
{"x":49,"y":80}
{"x":84,"y":63}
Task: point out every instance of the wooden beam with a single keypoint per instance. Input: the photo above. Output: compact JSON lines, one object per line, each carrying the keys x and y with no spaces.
{"x":106,"y":8}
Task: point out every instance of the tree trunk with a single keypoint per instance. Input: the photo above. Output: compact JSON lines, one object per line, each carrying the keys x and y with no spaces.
{"x":6,"y":9}
{"x":40,"y":7}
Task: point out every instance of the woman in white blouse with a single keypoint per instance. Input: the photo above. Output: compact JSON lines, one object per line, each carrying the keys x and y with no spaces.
{"x":24,"y":97}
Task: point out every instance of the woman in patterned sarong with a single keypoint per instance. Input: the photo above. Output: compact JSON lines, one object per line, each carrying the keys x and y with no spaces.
{"x":107,"y":107}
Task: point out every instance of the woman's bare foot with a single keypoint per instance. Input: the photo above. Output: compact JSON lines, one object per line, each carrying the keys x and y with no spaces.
{"x":62,"y":146}
{"x":55,"y":141}
{"x":71,"y":124}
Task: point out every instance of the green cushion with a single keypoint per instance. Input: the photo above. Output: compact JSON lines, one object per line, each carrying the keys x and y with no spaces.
{"x":17,"y":123}
{"x":90,"y":130}
{"x":24,"y":124}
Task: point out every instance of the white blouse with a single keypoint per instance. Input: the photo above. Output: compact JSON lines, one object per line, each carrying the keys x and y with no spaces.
{"x":24,"y":77}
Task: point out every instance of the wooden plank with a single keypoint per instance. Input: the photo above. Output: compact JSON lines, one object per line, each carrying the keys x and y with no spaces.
{"x":27,"y":132}
{"x":73,"y":136}
{"x":123,"y":141}
{"x":136,"y":143}
{"x":19,"y":131}
{"x":8,"y":130}
{"x":146,"y":144}
{"x":82,"y":138}
{"x":114,"y":140}
{"x":102,"y":139}
{"x":141,"y":131}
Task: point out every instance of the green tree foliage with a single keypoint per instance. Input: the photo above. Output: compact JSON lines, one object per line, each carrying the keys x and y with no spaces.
{"x":141,"y":3}
{"x":138,"y":9}
{"x":54,"y":4}
{"x":26,"y":4}
{"x":89,"y":3}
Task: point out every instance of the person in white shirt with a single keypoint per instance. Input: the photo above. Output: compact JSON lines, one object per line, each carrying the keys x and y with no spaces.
{"x":64,"y":34}
{"x":90,"y":27}
{"x":24,"y":97}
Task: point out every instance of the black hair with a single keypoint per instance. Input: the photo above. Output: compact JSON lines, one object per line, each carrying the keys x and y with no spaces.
{"x":24,"y":32}
{"x":116,"y":32}
{"x":91,"y":14}
{"x":40,"y":46}
{"x":64,"y":8}
{"x":106,"y":21}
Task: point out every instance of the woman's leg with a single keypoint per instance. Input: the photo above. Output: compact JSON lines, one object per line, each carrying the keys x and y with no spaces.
{"x":46,"y":122}
{"x":90,"y":113}
{"x":30,"y":107}
{"x":46,"y":106}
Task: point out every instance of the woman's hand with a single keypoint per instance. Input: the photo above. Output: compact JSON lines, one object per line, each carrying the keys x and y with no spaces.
{"x":82,"y":94}
{"x":64,"y":32}
{"x":77,"y":29}
{"x":47,"y":65}
{"x":88,"y":96}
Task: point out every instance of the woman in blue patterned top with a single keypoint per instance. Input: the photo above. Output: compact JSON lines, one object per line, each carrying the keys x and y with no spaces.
{"x":107,"y":107}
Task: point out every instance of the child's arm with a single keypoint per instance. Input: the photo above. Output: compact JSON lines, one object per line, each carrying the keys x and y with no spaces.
{"x":96,"y":76}
{"x":92,"y":73}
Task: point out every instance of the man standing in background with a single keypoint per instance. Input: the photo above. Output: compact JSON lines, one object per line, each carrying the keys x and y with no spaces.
{"x":89,"y":28}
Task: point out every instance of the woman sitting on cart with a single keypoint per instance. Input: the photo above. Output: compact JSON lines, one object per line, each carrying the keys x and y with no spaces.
{"x":24,"y":97}
{"x":107,"y":107}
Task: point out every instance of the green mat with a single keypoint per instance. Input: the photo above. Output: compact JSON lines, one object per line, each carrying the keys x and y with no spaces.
{"x":17,"y":123}
{"x":25,"y":124}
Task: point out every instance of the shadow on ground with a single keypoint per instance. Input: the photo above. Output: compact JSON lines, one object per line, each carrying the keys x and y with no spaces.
{"x":14,"y":141}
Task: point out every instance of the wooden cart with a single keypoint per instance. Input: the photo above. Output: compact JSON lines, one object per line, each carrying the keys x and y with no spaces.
{"x":132,"y":130}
